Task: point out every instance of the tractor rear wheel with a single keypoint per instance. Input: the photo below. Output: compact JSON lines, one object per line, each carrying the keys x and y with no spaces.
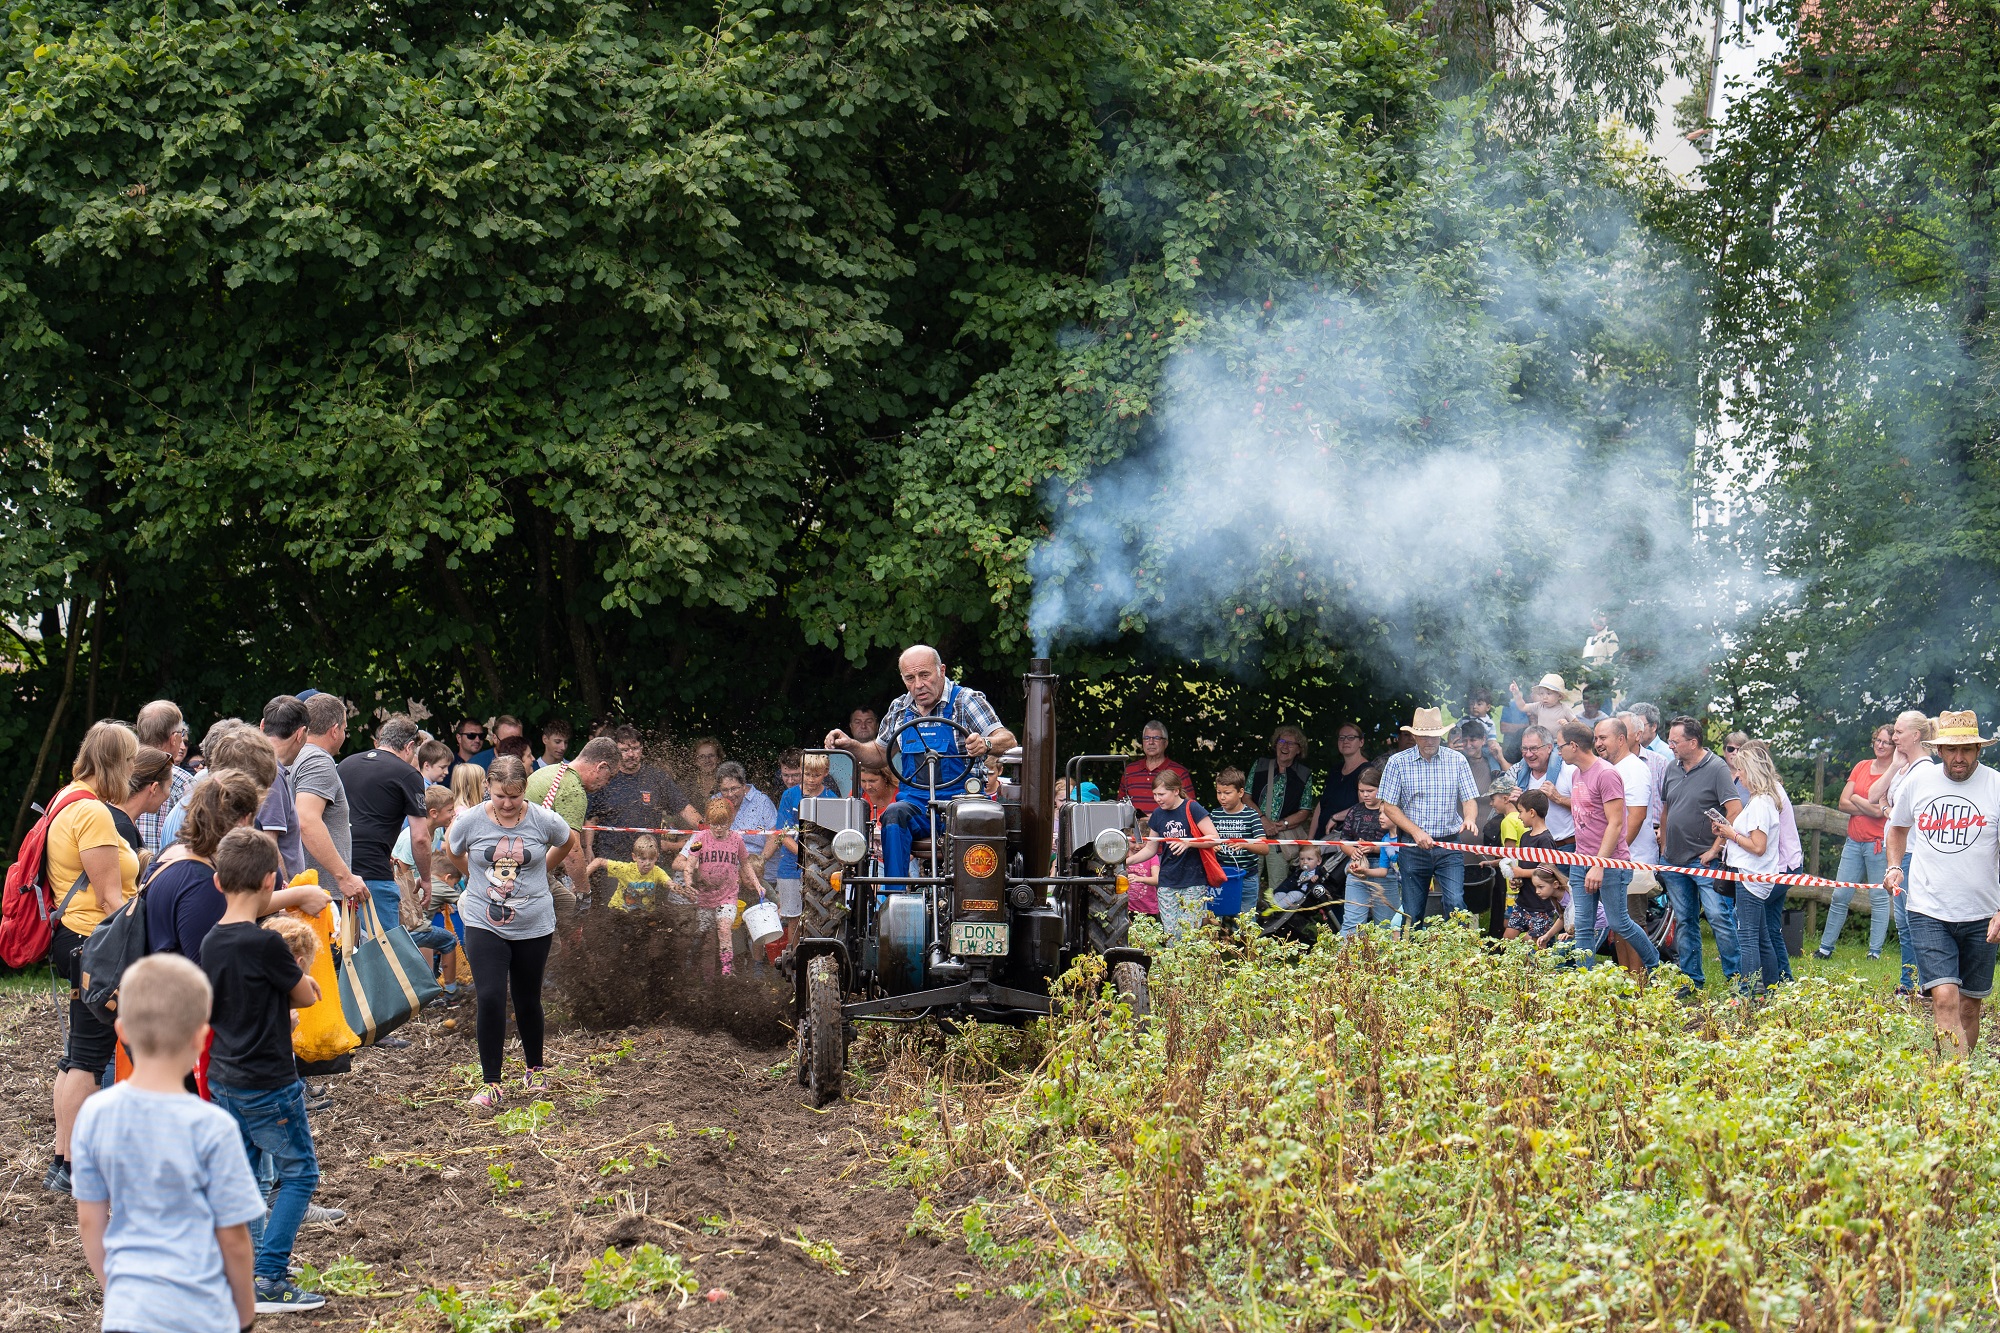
{"x":822,"y":1050}
{"x":1129,"y":980}
{"x":823,"y":908}
{"x":1110,"y":918}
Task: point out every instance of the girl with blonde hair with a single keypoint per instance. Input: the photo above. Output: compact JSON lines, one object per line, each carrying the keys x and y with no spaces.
{"x":1752,"y":846}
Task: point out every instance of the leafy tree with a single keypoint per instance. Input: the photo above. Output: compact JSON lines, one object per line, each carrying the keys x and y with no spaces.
{"x":673,"y":359}
{"x":1850,"y":364}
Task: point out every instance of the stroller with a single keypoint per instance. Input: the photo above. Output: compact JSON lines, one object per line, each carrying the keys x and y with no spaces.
{"x":1301,"y":908}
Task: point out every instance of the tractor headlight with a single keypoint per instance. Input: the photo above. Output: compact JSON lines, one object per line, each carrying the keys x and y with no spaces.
{"x":850,"y":845}
{"x":1112,"y":846}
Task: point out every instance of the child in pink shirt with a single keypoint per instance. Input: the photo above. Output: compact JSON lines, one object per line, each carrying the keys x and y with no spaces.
{"x":716,"y":864}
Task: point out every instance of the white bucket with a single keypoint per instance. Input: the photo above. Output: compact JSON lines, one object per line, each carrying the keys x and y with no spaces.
{"x":763,"y":924}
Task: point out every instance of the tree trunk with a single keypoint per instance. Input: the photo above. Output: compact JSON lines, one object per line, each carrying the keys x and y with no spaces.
{"x":76,"y":609}
{"x":545,"y":599}
{"x":579,"y":635}
{"x":96,"y":655}
{"x":461,"y":606}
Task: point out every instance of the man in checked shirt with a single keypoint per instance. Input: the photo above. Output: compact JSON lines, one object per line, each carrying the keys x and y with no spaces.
{"x":1429,"y":795}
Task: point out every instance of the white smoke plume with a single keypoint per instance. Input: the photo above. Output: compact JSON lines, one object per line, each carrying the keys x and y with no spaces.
{"x":1440,"y":481}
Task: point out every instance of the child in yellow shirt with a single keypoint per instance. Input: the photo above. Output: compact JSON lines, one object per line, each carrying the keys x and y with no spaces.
{"x":639,"y":880}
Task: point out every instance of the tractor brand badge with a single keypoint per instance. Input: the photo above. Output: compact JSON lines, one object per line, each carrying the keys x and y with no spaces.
{"x":981,"y":904}
{"x":1951,"y":823}
{"x":980,"y":860}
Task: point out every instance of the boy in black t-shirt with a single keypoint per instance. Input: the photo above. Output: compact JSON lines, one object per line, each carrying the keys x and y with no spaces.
{"x":251,"y":1073}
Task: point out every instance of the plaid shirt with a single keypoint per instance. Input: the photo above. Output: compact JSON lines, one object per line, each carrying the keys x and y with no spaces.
{"x":1429,"y":792}
{"x":179,"y":783}
{"x":970,"y":709}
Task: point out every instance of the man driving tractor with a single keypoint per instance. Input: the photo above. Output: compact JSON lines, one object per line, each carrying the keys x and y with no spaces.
{"x":907,"y":737}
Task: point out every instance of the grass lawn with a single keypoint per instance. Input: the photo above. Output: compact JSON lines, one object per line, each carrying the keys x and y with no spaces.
{"x":1850,"y":957}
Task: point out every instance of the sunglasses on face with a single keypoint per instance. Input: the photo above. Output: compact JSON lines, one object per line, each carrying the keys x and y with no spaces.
{"x":1729,"y":749}
{"x":472,"y":735}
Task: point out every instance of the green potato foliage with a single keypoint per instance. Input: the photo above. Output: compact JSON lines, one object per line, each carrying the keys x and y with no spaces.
{"x":1434,"y":1134}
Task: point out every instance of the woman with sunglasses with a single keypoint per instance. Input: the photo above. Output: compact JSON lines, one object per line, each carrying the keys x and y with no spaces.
{"x":506,"y":848}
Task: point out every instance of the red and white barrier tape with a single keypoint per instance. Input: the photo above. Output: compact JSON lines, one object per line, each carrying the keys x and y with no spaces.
{"x":1541,"y":854}
{"x":1552,"y":857}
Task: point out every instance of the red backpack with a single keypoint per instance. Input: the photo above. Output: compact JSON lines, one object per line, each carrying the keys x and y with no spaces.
{"x":28,"y":912}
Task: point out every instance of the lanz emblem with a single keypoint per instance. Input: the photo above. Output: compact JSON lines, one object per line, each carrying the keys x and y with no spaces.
{"x":980,"y":861}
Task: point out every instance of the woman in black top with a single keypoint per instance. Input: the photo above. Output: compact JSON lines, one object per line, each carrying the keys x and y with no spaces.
{"x":1341,"y":790}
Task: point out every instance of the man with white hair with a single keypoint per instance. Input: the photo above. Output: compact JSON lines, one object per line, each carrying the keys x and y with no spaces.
{"x":933,"y":702}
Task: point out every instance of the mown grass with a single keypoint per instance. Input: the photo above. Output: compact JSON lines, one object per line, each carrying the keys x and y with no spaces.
{"x":1435,"y":1134}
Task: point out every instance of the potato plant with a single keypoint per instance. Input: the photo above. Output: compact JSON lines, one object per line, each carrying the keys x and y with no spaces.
{"x":1438,"y":1135}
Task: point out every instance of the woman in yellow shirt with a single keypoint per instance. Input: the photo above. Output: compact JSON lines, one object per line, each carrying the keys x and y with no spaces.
{"x":91,"y":872}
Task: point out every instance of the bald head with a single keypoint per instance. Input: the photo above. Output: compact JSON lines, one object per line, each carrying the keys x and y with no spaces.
{"x":922,"y":667}
{"x":159,"y":725}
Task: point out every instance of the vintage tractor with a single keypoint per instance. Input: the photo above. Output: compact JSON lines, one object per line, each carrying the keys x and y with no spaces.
{"x":1009,"y":893}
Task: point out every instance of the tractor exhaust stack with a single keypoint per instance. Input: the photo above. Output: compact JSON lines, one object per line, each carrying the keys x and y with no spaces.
{"x":1038,"y":767}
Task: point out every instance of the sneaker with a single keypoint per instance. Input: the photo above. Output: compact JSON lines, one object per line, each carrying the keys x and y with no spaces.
{"x":1874,"y":957}
{"x":1905,"y":992}
{"x":317,"y":1102}
{"x":318,"y":1215}
{"x":57,"y":1179}
{"x":535,"y":1080}
{"x":282,"y":1296}
{"x":393,"y":1043}
{"x":1822,"y":953}
{"x":487,"y":1100}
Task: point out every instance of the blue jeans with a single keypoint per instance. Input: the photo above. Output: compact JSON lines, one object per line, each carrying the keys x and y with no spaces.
{"x":1617,"y":914}
{"x":1420,"y":866}
{"x":1901,"y":902}
{"x":1781,"y":954}
{"x":389,"y":906}
{"x":1764,"y":928}
{"x":1693,"y":897}
{"x":1368,"y":901}
{"x":273,"y":1121}
{"x":1860,"y":863}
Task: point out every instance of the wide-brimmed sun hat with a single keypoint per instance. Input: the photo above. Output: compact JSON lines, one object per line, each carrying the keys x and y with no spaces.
{"x":1959,"y":729}
{"x":1427,"y":722}
{"x":1554,"y":682}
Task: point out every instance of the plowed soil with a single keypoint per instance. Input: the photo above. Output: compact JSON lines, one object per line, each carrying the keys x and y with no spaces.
{"x":689,"y":1132}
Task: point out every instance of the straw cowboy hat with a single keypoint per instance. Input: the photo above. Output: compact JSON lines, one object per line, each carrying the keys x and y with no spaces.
{"x":1959,"y":729}
{"x":1427,"y":722}
{"x":1554,"y":682}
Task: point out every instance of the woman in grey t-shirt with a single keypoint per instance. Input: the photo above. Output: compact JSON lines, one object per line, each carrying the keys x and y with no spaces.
{"x":504,"y":847}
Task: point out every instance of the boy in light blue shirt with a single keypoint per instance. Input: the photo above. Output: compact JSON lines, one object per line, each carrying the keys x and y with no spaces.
{"x":164,"y":1191}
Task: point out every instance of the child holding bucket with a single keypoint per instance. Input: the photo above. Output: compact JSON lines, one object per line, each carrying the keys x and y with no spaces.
{"x":716,"y":862}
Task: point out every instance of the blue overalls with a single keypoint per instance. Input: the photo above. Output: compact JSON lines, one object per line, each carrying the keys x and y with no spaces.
{"x":913,"y":792}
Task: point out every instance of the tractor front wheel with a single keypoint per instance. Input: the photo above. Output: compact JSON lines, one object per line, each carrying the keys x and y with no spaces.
{"x":823,"y":906}
{"x":822,"y":1053}
{"x":1110,"y":918}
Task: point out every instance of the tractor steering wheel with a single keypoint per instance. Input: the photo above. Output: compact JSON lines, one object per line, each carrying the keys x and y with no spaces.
{"x":893,"y":745}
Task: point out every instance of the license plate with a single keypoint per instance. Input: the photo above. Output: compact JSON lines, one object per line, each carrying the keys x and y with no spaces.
{"x":979,"y":938}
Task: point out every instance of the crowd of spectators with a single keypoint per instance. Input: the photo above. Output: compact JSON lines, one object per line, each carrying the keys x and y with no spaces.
{"x":487,"y":850}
